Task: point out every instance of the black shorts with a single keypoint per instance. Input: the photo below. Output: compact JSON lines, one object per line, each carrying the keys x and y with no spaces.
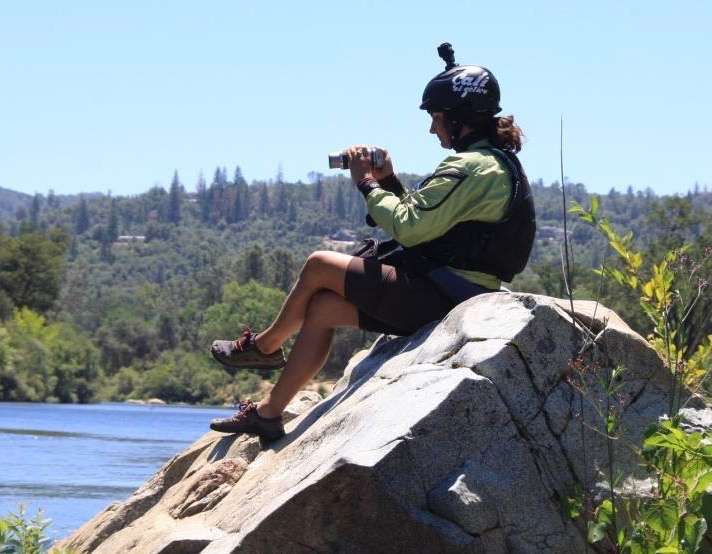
{"x":392,"y":301}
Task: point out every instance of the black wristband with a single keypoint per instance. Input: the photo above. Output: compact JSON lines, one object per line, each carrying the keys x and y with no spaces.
{"x":366,"y":185}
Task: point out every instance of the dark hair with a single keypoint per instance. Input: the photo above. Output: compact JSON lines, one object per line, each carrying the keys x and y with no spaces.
{"x":502,"y":132}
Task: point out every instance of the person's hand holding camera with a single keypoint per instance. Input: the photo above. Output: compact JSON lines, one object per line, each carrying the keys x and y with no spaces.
{"x":359,"y":163}
{"x":386,"y":170}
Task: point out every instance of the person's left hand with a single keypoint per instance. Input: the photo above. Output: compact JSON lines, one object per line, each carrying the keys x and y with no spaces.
{"x":359,"y":163}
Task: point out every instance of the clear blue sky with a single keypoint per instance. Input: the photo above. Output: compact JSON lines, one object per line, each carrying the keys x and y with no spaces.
{"x":99,"y":95}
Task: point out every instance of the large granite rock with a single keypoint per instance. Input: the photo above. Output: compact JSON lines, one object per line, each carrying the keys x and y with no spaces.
{"x":463,"y":438}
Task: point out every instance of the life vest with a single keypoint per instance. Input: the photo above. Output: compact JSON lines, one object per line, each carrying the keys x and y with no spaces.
{"x":501,"y":248}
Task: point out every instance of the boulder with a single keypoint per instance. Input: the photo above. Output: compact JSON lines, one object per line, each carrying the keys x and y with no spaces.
{"x":465,"y":437}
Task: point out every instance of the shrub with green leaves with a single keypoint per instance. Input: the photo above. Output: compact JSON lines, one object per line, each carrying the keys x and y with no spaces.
{"x":674,"y":517}
{"x":22,"y":535}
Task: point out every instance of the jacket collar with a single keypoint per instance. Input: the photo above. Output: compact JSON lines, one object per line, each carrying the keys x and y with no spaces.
{"x":469,"y":142}
{"x":478,"y":144}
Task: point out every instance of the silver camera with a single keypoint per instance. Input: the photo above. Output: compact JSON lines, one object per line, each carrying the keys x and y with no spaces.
{"x":340,"y":160}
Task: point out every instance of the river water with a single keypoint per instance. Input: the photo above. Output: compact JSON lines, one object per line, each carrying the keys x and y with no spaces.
{"x":74,"y":460}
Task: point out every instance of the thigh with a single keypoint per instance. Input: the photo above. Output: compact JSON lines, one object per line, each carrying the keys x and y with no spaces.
{"x":326,"y":270}
{"x":389,"y":300}
{"x":329,"y":309}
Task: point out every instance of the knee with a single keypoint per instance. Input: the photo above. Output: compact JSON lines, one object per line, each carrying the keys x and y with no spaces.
{"x":315,"y":264}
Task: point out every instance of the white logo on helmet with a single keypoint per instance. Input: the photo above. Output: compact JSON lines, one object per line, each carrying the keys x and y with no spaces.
{"x":466,"y":83}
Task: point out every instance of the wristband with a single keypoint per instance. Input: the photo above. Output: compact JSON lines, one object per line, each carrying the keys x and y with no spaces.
{"x":366,"y":185}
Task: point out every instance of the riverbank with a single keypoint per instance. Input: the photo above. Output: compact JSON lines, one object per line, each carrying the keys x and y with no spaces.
{"x":72,"y":460}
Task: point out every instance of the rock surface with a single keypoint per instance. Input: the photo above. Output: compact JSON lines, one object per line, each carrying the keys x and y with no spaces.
{"x":463,"y":438}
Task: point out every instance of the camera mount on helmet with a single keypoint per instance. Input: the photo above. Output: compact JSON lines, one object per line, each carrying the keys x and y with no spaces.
{"x":463,"y":87}
{"x":446,"y":52}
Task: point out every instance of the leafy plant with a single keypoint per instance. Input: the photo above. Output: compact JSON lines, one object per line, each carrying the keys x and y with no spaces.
{"x":675,"y":517}
{"x":668,"y":296}
{"x":22,"y":535}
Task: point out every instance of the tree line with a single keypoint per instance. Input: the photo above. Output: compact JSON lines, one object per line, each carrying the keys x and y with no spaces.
{"x":87,"y":316}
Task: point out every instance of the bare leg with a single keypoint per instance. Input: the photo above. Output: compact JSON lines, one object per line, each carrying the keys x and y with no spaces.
{"x":326,"y":311}
{"x":323,"y":270}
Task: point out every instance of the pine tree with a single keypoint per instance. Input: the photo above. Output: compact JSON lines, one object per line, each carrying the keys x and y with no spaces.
{"x":113,"y":228}
{"x":283,"y":269}
{"x":167,"y":331}
{"x":105,"y":252}
{"x":82,"y":221}
{"x":52,"y":200}
{"x":318,"y":189}
{"x":282,"y":200}
{"x":35,"y":211}
{"x":235,"y":210}
{"x":252,"y":265}
{"x":218,"y":177}
{"x":174,"y":200}
{"x":239,"y":179}
{"x":264,"y":207}
{"x":292,"y":214}
{"x":203,"y":199}
{"x":245,"y":200}
{"x":217,"y":196}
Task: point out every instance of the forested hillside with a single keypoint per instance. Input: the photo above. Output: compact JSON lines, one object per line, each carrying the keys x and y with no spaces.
{"x":107,"y":297}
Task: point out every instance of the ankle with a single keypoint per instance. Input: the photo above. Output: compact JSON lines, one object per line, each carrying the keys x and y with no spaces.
{"x":261,"y":346}
{"x":266,"y":411}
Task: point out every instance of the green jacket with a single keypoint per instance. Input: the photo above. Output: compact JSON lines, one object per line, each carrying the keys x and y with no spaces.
{"x":482,"y":196}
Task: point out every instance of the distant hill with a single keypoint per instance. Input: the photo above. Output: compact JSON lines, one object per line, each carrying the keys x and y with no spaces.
{"x":11,"y":201}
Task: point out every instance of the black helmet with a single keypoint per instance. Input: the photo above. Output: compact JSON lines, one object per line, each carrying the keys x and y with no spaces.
{"x":471,"y":87}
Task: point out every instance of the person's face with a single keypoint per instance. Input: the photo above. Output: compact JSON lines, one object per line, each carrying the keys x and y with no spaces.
{"x":438,"y":128}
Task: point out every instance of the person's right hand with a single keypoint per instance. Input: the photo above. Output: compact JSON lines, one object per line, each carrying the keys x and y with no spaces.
{"x":387,"y":169}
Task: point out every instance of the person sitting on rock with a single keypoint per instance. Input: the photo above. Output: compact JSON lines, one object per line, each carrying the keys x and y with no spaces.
{"x":468,"y":227}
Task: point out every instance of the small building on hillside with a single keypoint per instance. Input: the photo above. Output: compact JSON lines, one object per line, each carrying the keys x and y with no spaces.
{"x":128,"y":239}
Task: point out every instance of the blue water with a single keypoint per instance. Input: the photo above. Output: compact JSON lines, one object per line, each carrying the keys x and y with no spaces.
{"x":72,"y":461}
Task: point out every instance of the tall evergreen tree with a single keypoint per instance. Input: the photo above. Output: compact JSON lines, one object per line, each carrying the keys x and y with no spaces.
{"x":252,"y":265}
{"x":82,"y":221}
{"x":283,"y":269}
{"x":52,"y":200}
{"x":217,"y":196}
{"x":113,"y":227}
{"x":105,"y":252}
{"x":292,"y":213}
{"x":236,"y":212}
{"x":218,"y":177}
{"x":239,"y":179}
{"x":263,"y":206}
{"x":174,"y":199}
{"x":35,"y":209}
{"x":318,"y":189}
{"x":282,"y":199}
{"x":245,"y":200}
{"x":203,"y":199}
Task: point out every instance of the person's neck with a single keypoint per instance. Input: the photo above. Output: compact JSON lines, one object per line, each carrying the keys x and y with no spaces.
{"x":466,"y":138}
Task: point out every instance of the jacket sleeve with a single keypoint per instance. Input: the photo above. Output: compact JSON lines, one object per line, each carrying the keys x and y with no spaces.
{"x":429,"y":212}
